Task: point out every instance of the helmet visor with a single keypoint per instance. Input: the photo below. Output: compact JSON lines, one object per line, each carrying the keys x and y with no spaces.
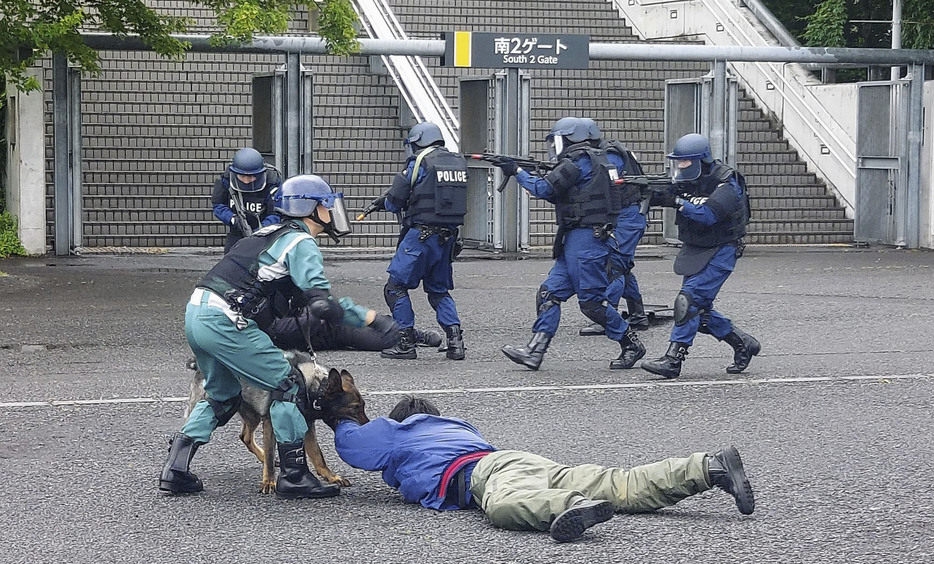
{"x":248,"y":182}
{"x":555,"y":146}
{"x":684,"y":170}
{"x":340,"y":221}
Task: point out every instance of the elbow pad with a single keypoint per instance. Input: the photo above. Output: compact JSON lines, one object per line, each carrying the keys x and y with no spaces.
{"x":563,"y":177}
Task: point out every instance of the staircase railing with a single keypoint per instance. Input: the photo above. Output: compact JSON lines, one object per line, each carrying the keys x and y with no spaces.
{"x":782,"y":89}
{"x":416,"y":85}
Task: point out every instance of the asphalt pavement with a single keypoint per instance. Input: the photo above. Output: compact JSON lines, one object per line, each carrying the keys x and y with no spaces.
{"x":833,"y":418}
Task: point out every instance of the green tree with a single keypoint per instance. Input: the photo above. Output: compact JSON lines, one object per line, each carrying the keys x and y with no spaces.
{"x":30,"y":29}
{"x":825,"y":27}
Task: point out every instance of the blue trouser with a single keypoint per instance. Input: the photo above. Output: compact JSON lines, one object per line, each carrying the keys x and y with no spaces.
{"x":630,"y":227}
{"x":225,"y":355}
{"x":427,"y":262}
{"x":702,"y":288}
{"x":581,"y":270}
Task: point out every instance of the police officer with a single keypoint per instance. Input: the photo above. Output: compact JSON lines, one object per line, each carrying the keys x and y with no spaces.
{"x":431,"y":194}
{"x":712,"y":213}
{"x":586,"y":207}
{"x":222,"y":324}
{"x":630,"y":227}
{"x":242,"y":196}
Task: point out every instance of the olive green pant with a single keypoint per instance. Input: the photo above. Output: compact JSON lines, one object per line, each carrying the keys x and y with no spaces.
{"x":523,"y":491}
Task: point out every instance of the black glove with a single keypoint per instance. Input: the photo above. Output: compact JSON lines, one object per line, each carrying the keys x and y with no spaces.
{"x":243,"y":225}
{"x":508,"y":166}
{"x":664,"y":198}
{"x":321,"y":305}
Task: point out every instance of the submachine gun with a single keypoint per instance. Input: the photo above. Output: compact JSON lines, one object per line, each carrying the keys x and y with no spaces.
{"x":376,"y":205}
{"x":527,"y":163}
{"x":651,"y":186}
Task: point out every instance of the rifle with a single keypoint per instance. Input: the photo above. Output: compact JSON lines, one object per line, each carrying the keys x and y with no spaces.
{"x":649,"y":186}
{"x":378,"y":204}
{"x":525,"y":162}
{"x":239,"y":210}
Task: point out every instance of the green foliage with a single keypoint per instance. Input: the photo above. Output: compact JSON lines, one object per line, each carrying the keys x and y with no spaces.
{"x":336,"y":19}
{"x":10,"y":244}
{"x":825,"y":27}
{"x":30,"y":29}
{"x":918,"y":24}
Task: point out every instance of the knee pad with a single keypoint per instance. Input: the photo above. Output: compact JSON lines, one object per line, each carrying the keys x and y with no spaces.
{"x":684,"y":309}
{"x":545,"y":300}
{"x":435,"y":298}
{"x":595,"y":311}
{"x":393,"y":292}
{"x":225,"y":410}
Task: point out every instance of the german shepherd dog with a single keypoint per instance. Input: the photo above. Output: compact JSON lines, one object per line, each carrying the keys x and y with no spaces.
{"x":254,"y":409}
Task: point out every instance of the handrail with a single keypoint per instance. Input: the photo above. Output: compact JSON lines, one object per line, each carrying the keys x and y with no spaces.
{"x":416,"y":85}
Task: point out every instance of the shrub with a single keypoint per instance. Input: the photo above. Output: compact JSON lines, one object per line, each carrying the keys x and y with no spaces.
{"x":10,"y":244}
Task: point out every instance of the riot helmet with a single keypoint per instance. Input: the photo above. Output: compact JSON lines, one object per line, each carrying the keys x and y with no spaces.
{"x":422,"y":135}
{"x":687,"y":157}
{"x":594,"y":135}
{"x":247,"y":163}
{"x":564,"y":133}
{"x":299,"y":197}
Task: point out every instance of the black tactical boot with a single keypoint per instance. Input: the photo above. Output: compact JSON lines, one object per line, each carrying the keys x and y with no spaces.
{"x":405,"y":348}
{"x":669,"y":365}
{"x":582,"y":515}
{"x":175,"y":476}
{"x":744,"y":348}
{"x":455,"y":342}
{"x":725,"y":471}
{"x":295,"y":479}
{"x":427,"y":338}
{"x":530,"y":355}
{"x":637,"y":319}
{"x":632,"y":350}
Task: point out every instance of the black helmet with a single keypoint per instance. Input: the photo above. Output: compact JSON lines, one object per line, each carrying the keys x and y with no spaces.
{"x":423,"y":135}
{"x":248,"y":162}
{"x":299,"y":197}
{"x":564,"y":133}
{"x":686,"y":157}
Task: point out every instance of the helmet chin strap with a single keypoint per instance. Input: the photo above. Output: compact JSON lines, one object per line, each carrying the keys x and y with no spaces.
{"x":325,"y":227}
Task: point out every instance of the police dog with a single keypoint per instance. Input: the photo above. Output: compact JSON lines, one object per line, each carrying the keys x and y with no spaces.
{"x":254,"y":409}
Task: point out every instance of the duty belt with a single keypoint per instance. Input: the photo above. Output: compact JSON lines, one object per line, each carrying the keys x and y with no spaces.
{"x":455,"y":476}
{"x":426,"y":231}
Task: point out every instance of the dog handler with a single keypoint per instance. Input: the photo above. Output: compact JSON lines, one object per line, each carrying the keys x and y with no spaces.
{"x":221,"y":327}
{"x":444,"y":463}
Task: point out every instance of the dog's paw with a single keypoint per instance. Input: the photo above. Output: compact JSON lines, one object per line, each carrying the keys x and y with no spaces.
{"x":337,"y":479}
{"x":267,"y":487}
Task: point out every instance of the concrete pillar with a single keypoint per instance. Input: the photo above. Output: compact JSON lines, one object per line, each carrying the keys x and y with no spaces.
{"x":25,"y":187}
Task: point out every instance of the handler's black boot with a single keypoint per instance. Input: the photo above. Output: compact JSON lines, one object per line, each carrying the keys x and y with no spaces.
{"x":744,"y":348}
{"x":632,"y":350}
{"x":295,"y":479}
{"x":427,"y":338}
{"x":530,"y":355}
{"x":455,"y":342}
{"x":405,"y":348}
{"x":582,"y":515}
{"x":175,"y":476}
{"x":637,"y":319}
{"x":725,"y":471}
{"x":592,"y":330}
{"x":669,"y":365}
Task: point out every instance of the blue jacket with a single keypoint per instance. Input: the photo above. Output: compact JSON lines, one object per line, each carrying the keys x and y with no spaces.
{"x":412,"y":455}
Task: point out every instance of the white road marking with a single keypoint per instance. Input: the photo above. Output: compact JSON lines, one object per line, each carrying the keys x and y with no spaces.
{"x":444,"y":391}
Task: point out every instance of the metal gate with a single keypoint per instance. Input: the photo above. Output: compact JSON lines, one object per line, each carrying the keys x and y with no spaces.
{"x":699,"y":105}
{"x":881,"y":156}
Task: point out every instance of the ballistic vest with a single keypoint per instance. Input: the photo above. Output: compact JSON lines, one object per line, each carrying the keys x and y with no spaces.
{"x":629,"y":193}
{"x":719,"y":187}
{"x":440,"y":198}
{"x":256,"y":205}
{"x":235,"y":277}
{"x":594,"y":204}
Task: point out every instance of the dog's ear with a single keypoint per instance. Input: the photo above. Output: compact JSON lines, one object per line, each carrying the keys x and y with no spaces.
{"x":334,"y":382}
{"x":345,"y":374}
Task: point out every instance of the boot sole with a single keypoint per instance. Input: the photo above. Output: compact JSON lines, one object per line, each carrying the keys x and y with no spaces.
{"x":587,"y":332}
{"x":742,"y":490}
{"x":519,"y":361}
{"x":319,"y":495}
{"x":662,"y":373}
{"x":571,"y":524}
{"x":412,"y":356}
{"x":167,"y":488}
